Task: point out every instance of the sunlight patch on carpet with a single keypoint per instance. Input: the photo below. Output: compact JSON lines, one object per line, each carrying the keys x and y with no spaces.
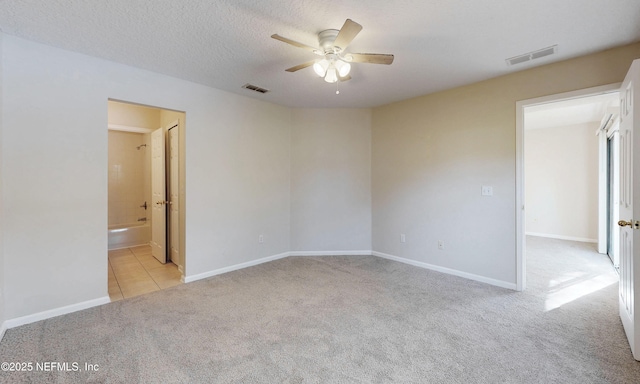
{"x":575,"y":285}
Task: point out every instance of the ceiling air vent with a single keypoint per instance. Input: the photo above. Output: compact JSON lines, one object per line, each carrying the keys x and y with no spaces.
{"x":255,"y":88}
{"x":532,"y":55}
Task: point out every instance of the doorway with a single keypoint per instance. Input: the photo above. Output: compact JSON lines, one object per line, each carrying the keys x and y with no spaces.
{"x":555,"y":221}
{"x":610,"y":133}
{"x":139,"y":215}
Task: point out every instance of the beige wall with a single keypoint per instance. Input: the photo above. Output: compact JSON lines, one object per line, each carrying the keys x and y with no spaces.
{"x":167,"y":117}
{"x":133,"y":115}
{"x":331,"y":180}
{"x":561,"y":182}
{"x":432,"y":154}
{"x":429,"y":158}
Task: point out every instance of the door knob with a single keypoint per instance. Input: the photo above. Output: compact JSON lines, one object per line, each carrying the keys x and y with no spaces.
{"x":632,"y":224}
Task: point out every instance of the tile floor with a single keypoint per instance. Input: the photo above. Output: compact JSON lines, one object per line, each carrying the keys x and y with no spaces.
{"x":134,"y":271}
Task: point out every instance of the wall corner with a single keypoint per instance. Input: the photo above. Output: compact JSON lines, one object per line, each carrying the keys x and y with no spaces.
{"x":2,"y":290}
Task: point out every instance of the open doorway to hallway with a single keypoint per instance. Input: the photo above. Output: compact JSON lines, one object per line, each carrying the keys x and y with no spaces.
{"x":562,"y":171}
{"x":569,"y":152}
{"x":146,"y":199}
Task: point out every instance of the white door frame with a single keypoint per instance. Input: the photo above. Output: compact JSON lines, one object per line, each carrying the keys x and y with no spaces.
{"x":158,"y":195}
{"x":520,"y":208}
{"x":613,"y":243}
{"x":173,"y":194}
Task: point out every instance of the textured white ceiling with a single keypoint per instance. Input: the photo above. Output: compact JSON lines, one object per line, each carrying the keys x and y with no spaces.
{"x":438,"y":44}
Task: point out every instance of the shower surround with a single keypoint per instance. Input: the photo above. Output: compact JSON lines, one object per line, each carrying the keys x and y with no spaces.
{"x":129,"y":189}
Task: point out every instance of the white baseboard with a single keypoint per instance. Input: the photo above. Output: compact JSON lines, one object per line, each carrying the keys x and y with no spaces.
{"x":561,"y":237}
{"x":449,"y":271}
{"x":330,"y":253}
{"x":482,"y":279}
{"x":12,"y":323}
{"x":204,"y":275}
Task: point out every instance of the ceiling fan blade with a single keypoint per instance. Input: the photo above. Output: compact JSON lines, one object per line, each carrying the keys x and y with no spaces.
{"x":296,"y":44}
{"x":346,"y":78}
{"x":300,"y":66}
{"x":371,"y":58}
{"x":347,"y":33}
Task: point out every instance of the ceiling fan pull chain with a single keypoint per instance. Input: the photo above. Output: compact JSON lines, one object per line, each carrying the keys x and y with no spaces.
{"x":337,"y":88}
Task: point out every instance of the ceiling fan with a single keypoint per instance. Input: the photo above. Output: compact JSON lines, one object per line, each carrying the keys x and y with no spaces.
{"x":335,"y":63}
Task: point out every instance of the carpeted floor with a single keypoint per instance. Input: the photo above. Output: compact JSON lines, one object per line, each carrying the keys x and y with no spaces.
{"x":352,"y":319}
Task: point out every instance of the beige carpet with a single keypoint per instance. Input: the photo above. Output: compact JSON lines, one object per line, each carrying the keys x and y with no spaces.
{"x":353,"y":319}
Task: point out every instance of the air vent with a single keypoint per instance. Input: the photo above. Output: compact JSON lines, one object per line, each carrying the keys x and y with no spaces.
{"x":255,"y":88}
{"x":532,"y":55}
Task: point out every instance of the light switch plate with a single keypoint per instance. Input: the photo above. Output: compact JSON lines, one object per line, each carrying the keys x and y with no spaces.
{"x":487,"y":190}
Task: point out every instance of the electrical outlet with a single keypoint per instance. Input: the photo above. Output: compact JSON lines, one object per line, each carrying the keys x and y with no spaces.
{"x":440,"y":244}
{"x":261,"y":239}
{"x":403,"y":238}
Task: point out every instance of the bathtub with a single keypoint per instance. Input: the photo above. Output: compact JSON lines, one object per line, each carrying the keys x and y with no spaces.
{"x":129,"y":235}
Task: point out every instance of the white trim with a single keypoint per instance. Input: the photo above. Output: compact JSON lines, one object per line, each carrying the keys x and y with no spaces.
{"x":613,"y":128}
{"x":603,"y":201}
{"x":204,"y":275}
{"x":12,"y":323}
{"x":331,"y":253}
{"x":449,"y":271}
{"x":561,"y":237}
{"x":520,"y":208}
{"x":3,"y":329}
{"x":521,"y":267}
{"x":128,"y":128}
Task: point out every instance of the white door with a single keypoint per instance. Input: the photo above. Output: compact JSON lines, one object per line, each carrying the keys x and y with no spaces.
{"x":630,"y":208}
{"x":158,"y":197}
{"x":174,"y":196}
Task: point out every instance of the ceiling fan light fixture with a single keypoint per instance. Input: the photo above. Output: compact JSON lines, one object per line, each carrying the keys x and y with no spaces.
{"x":320,"y":67}
{"x":334,"y":65}
{"x":343,"y":68}
{"x":332,"y":75}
